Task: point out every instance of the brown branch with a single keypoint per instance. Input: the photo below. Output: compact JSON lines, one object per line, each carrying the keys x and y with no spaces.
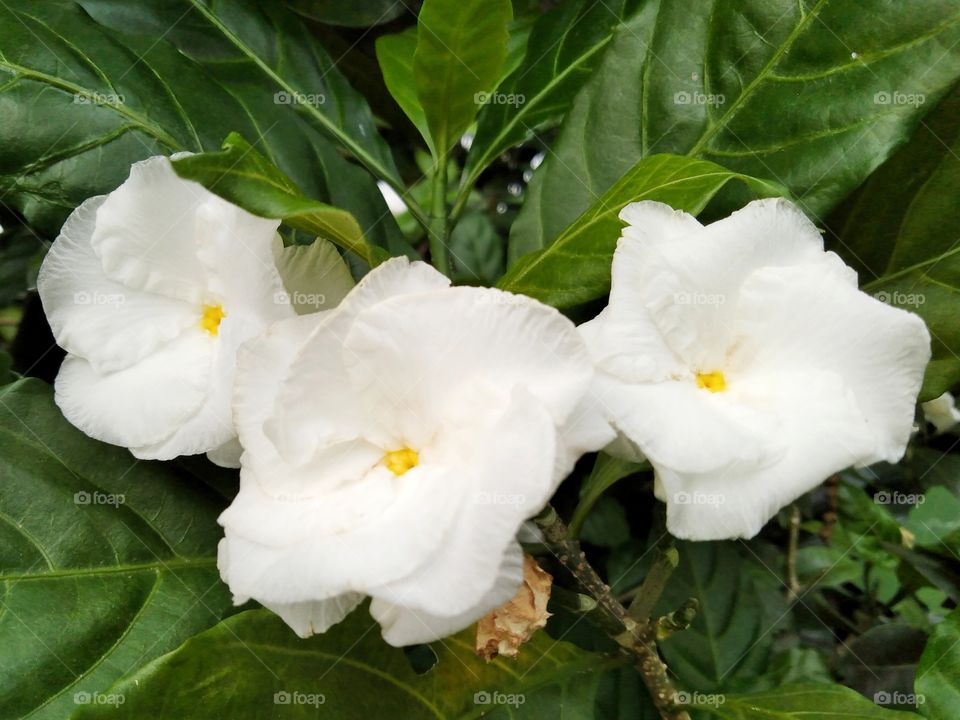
{"x":636,"y":638}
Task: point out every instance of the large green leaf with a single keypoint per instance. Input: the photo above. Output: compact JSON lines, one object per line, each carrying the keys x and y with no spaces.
{"x":938,"y":676}
{"x":263,"y":48}
{"x":243,"y":176}
{"x":107,"y":562}
{"x":461,"y":47}
{"x":350,"y":14}
{"x":80,"y":101}
{"x":395,"y":56}
{"x":349,"y":672}
{"x":810,"y":93}
{"x":740,"y":604}
{"x":564,"y":46}
{"x":799,"y":702}
{"x":901,"y":234}
{"x":575,"y":268}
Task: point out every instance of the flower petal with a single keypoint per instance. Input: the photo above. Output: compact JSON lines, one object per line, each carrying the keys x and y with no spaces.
{"x":146,"y":232}
{"x":362,"y":535}
{"x":172,"y":384}
{"x":94,"y":317}
{"x":318,"y":616}
{"x":826,"y":432}
{"x":802,"y":319}
{"x":516,"y":453}
{"x":679,"y":425}
{"x":226,"y":455}
{"x":405,"y":626}
{"x":212,"y":425}
{"x":322,"y":407}
{"x":692,"y":286}
{"x":410,"y":354}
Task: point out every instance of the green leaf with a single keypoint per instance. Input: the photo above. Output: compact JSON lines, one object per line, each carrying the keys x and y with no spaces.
{"x":461,"y":46}
{"x":900,"y":234}
{"x":19,"y":248}
{"x":315,"y":276}
{"x":935,"y":521}
{"x":564,"y":47}
{"x":268,"y":48}
{"x":801,"y":702}
{"x":259,"y":661}
{"x":607,"y":525}
{"x":82,"y":99}
{"x":395,"y":56}
{"x":350,"y":14}
{"x":476,"y":250}
{"x":6,"y":368}
{"x":741,"y":603}
{"x":243,"y":176}
{"x":607,"y":469}
{"x":575,"y":268}
{"x":107,"y":562}
{"x":938,"y":675}
{"x":779,"y":89}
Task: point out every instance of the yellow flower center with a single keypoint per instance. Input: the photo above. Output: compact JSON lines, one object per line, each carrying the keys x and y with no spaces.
{"x":211,"y":317}
{"x":713,"y":381}
{"x":399,"y":461}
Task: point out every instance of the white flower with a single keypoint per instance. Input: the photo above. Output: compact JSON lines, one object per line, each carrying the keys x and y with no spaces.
{"x":150,"y":290}
{"x":394,"y":446}
{"x":941,"y":412}
{"x":744,"y":363}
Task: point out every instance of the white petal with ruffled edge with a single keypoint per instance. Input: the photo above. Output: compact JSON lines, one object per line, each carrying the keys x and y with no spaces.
{"x":144,"y":403}
{"x":403,"y":625}
{"x":109,"y":324}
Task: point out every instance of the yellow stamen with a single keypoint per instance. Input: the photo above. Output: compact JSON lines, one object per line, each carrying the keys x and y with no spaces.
{"x":712,"y":381}
{"x":399,"y":461}
{"x":211,"y":317}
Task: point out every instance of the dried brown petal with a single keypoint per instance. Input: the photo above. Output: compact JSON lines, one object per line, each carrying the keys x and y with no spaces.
{"x":505,"y":629}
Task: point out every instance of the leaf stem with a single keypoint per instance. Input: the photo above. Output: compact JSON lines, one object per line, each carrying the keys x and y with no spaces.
{"x":439,"y":222}
{"x":638,"y":639}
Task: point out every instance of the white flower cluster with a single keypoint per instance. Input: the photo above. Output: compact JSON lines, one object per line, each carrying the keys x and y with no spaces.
{"x":374,"y":433}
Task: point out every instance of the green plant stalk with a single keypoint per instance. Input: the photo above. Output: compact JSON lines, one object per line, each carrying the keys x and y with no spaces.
{"x":439,"y":222}
{"x":654,"y":584}
{"x":637,"y":639}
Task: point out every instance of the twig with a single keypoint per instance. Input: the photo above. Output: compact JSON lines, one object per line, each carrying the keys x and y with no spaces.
{"x":638,"y":639}
{"x":793,"y":584}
